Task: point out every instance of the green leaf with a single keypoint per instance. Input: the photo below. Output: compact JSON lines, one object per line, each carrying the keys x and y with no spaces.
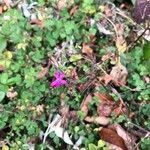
{"x":3,"y":43}
{"x":4,"y":78}
{"x":75,"y":57}
{"x":6,"y":63}
{"x":92,"y":146}
{"x":2,"y":95}
{"x":101,"y":143}
{"x":146,"y":51}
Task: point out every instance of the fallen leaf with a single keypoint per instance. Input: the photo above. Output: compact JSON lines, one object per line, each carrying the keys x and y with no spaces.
{"x":104,"y":109}
{"x":104,"y":97}
{"x":92,"y":39}
{"x":119,"y":74}
{"x":73,"y":115}
{"x":112,"y":137}
{"x":1,"y":68}
{"x":102,"y":120}
{"x":128,"y":138}
{"x":120,"y":29}
{"x":120,"y":109}
{"x":11,"y":94}
{"x":63,"y":3}
{"x":37,"y":22}
{"x":71,"y":72}
{"x":40,"y":109}
{"x":87,"y":50}
{"x":82,"y":87}
{"x":108,"y":56}
{"x":74,"y":10}
{"x":105,"y":106}
{"x":121,"y":44}
{"x":43,"y":73}
{"x":55,"y":126}
{"x":103,"y":30}
{"x":78,"y":143}
{"x":106,"y":79}
{"x":85,"y":103}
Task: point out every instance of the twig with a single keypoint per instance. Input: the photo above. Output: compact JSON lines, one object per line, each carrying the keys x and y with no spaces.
{"x":132,"y":45}
{"x":110,"y":23}
{"x":148,"y":132}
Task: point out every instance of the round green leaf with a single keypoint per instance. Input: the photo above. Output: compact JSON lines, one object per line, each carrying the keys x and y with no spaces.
{"x":146,"y":51}
{"x":2,"y":95}
{"x":3,"y":43}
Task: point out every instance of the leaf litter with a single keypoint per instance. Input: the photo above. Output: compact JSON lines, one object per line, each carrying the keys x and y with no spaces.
{"x":115,"y":136}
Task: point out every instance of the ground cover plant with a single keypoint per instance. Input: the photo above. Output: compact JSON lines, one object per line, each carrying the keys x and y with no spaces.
{"x":74,"y":75}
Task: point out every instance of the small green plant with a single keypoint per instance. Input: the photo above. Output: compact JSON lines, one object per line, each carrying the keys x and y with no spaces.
{"x":101,"y":145}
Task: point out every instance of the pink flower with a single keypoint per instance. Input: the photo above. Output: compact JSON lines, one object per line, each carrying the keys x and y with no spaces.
{"x":59,"y":79}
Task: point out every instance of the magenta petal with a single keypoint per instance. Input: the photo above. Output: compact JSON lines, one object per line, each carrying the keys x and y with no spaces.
{"x":58,"y":79}
{"x":61,"y":76}
{"x":63,"y":82}
{"x":55,"y":83}
{"x":57,"y":74}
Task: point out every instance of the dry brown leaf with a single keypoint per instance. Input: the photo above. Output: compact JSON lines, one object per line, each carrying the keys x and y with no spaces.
{"x":73,"y":115}
{"x":40,"y":109}
{"x":71,"y":72}
{"x":1,"y":68}
{"x":92,"y":39}
{"x":119,"y":74}
{"x":121,"y":44}
{"x":64,"y":3}
{"x":108,"y":56}
{"x":112,"y":137}
{"x":61,"y":4}
{"x":37,"y":22}
{"x":98,"y":120}
{"x":104,"y":109}
{"x":106,"y":104}
{"x":104,"y":97}
{"x":106,"y":79}
{"x":43,"y":73}
{"x":87,"y":50}
{"x":85,"y":103}
{"x":74,"y":10}
{"x":11,"y":94}
{"x":120,"y":109}
{"x":120,"y":29}
{"x":128,"y":138}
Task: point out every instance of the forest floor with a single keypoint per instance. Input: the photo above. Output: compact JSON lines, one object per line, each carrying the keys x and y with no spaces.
{"x":74,"y":75}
